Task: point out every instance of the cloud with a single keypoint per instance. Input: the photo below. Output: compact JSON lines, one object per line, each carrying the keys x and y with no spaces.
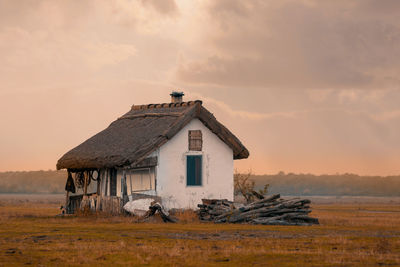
{"x":387,"y":116}
{"x":41,"y":47}
{"x":54,"y":42}
{"x":325,"y":140}
{"x":103,"y":54}
{"x":166,"y":7}
{"x":242,"y":114}
{"x":298,"y":45}
{"x":307,"y":85}
{"x":343,"y":97}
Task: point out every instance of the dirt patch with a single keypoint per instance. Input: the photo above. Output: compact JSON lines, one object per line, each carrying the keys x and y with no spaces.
{"x":233,"y":235}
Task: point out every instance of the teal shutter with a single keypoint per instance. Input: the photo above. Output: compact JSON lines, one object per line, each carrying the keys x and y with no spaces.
{"x":197,"y":161}
{"x":194,"y":164}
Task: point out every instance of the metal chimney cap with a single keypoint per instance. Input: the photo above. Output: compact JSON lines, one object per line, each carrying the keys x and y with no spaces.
{"x":177,"y":94}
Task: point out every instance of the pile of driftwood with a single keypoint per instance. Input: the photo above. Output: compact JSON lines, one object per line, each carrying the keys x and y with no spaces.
{"x":270,"y":211}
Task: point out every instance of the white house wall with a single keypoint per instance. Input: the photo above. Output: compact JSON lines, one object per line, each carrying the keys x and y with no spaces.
{"x":217,"y":169}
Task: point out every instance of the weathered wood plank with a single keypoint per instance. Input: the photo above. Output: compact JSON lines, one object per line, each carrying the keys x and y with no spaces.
{"x":270,"y":210}
{"x":98,"y":203}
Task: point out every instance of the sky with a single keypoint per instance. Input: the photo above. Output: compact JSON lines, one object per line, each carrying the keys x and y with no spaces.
{"x":308,"y":86}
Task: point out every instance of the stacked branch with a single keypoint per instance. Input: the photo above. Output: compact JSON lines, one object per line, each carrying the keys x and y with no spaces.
{"x":269,"y":211}
{"x":212,"y":208}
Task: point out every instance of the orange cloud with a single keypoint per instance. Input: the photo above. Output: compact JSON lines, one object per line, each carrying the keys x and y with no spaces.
{"x":308,"y":86}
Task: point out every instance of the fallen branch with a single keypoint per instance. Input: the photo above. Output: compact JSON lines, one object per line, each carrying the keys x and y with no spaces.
{"x":157,"y":207}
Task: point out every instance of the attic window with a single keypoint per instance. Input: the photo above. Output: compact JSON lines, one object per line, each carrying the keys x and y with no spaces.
{"x":195,"y":140}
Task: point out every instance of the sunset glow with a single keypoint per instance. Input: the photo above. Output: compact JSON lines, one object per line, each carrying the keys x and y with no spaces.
{"x":308,"y":86}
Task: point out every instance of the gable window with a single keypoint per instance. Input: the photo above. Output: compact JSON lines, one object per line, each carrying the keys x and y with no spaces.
{"x":195,"y":140}
{"x":193,"y":166}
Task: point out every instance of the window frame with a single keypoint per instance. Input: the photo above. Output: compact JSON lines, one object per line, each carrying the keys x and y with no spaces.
{"x":194,"y":155}
{"x":193,"y":138}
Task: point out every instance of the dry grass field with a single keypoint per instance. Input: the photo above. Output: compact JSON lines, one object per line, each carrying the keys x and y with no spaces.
{"x":349,"y":235}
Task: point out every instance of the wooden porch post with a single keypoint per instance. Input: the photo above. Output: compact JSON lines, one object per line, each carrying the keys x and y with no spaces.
{"x":106,"y":186}
{"x":69,"y":187}
{"x":66,"y":201}
{"x":98,"y":182}
{"x":86,"y":182}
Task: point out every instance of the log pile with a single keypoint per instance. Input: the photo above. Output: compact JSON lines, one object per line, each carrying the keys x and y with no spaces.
{"x":212,"y":208}
{"x":268,"y":211}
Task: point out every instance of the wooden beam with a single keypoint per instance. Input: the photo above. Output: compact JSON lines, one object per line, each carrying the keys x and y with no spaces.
{"x":66,"y":201}
{"x":106,"y":185}
{"x":86,"y":183}
{"x":145,"y":163}
{"x":98,"y":182}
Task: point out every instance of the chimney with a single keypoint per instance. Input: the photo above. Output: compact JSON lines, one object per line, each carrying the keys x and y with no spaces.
{"x":176,"y":97}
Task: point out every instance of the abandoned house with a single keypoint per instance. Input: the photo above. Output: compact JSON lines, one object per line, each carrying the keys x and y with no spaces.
{"x":177,"y":152}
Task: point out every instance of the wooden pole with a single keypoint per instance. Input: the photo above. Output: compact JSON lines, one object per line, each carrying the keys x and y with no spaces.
{"x":66,"y":201}
{"x":86,"y":182}
{"x":98,"y":182}
{"x":106,"y":186}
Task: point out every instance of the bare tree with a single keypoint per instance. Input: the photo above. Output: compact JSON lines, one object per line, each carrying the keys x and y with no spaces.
{"x":245,"y":186}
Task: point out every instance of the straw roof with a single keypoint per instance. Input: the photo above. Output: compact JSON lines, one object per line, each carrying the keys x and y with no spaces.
{"x":135,"y":135}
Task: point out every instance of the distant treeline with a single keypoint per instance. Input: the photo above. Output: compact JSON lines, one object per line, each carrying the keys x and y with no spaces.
{"x":329,"y":185}
{"x":285,"y":184}
{"x":50,"y":182}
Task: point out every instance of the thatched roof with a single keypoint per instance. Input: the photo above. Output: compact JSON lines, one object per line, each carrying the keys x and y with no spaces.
{"x":135,"y":135}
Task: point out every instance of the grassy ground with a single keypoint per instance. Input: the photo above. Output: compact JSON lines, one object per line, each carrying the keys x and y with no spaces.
{"x":349,"y":234}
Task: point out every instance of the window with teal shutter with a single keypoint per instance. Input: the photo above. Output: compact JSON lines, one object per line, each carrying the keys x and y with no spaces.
{"x":194,"y":164}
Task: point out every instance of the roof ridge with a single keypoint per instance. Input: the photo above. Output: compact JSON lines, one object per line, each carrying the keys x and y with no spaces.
{"x":166,"y":105}
{"x":172,"y":114}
